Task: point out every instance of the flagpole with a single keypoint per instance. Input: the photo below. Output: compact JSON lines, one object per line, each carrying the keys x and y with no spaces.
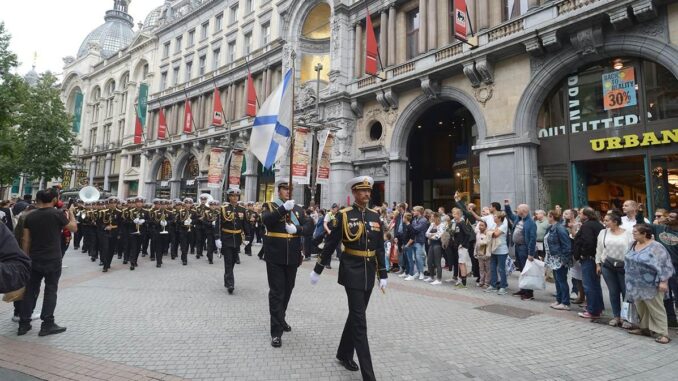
{"x":293,"y":56}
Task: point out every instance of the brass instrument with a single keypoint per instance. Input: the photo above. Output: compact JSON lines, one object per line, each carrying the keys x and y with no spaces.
{"x":211,"y":215}
{"x":163,"y":218}
{"x":138,"y":214}
{"x":106,"y":218}
{"x":188,"y":219}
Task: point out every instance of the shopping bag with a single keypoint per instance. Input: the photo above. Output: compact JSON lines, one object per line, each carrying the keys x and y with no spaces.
{"x":532,"y":276}
{"x":510,"y":266}
{"x":630,"y":313}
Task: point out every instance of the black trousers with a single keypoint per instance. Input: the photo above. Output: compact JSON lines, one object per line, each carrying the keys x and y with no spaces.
{"x":354,"y":337}
{"x":184,"y":236}
{"x":50,"y":272}
{"x":248,"y":247}
{"x":91,"y":242}
{"x":112,"y":242}
{"x":211,"y":246}
{"x":159,"y":246}
{"x":259,"y":232}
{"x":102,"y":244}
{"x":133,"y":248}
{"x":230,"y":255}
{"x":199,"y":241}
{"x":175,"y":244}
{"x":281,"y":280}
{"x":145,"y":240}
{"x":77,"y":237}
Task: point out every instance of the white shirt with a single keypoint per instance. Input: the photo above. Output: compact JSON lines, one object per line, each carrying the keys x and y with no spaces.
{"x":489,"y":221}
{"x":628,"y":224}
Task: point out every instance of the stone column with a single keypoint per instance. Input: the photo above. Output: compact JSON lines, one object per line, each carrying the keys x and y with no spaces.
{"x":250,"y":193}
{"x":175,"y":189}
{"x":444,"y":23}
{"x":483,"y":10}
{"x":391,"y":35}
{"x":397,"y":181}
{"x":149,"y":190}
{"x":423,"y":20}
{"x":432,"y":26}
{"x":358,"y":52}
{"x":107,"y":171}
{"x":124,"y":159}
{"x":383,"y":37}
{"x":92,"y":169}
{"x":495,"y":14}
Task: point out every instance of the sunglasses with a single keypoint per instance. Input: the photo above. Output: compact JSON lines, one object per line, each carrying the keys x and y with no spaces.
{"x":659,"y":215}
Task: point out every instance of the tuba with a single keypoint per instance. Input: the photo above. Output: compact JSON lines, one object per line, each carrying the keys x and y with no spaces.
{"x":163,"y":218}
{"x":89,"y":194}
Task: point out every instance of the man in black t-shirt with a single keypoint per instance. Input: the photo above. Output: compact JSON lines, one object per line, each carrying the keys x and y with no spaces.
{"x":41,"y":241}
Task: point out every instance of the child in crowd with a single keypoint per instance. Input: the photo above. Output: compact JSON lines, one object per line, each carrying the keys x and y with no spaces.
{"x":481,"y":253}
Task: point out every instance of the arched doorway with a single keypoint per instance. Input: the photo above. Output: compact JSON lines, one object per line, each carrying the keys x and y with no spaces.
{"x":440,"y":158}
{"x":189,"y":182}
{"x":162,"y":180}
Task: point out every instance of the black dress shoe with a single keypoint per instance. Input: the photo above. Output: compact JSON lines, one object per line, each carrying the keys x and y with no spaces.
{"x":184,"y":263}
{"x":158,"y":265}
{"x":276,"y":342}
{"x":105,"y":270}
{"x":93,"y":259}
{"x":153,"y":258}
{"x":124,"y":262}
{"x":230,"y":290}
{"x":349,"y":364}
{"x":131,"y":267}
{"x":51,"y":329}
{"x":211,"y":263}
{"x":23,"y":329}
{"x":287,"y":327}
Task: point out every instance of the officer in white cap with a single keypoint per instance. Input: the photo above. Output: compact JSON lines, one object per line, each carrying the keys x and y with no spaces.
{"x":233,"y":229}
{"x":359,"y":229}
{"x":285,"y":224}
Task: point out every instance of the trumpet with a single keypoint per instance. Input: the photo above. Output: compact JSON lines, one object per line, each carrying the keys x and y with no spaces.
{"x":137,"y":225}
{"x":188,"y":222}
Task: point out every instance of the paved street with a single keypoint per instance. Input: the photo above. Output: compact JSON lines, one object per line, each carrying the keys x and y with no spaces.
{"x":179,"y":322}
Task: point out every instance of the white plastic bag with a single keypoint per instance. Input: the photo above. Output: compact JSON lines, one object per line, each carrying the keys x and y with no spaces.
{"x":532,"y":276}
{"x":630,"y":313}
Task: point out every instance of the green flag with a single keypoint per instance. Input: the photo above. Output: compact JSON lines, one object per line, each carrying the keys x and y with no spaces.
{"x":77,"y":112}
{"x":143,"y":103}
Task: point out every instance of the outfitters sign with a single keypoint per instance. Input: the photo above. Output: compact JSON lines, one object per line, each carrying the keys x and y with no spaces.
{"x":635,"y":140}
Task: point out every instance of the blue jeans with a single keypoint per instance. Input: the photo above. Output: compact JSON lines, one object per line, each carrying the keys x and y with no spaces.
{"x":616,"y":287}
{"x":409,"y":253}
{"x":592,"y":289}
{"x":562,"y":288}
{"x":498,"y":262}
{"x":419,"y":257}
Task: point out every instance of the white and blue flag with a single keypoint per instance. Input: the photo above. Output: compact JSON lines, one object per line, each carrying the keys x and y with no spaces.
{"x":272,"y":128}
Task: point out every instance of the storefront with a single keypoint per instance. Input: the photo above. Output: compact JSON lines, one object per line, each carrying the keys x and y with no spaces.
{"x":608,"y":133}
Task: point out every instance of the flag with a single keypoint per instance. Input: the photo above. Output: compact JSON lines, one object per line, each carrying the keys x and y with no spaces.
{"x":188,"y":117}
{"x":371,"y":51}
{"x":138,"y":130}
{"x":272,"y":127}
{"x":218,"y":118}
{"x":162,"y":124}
{"x":460,"y":19}
{"x":251,"y":96}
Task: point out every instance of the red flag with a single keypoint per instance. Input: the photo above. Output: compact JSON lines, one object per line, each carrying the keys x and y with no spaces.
{"x":251,"y":96}
{"x":371,"y":51}
{"x":162,"y":125}
{"x":138,"y":130}
{"x":188,"y":117}
{"x":460,"y":19}
{"x":218,"y":117}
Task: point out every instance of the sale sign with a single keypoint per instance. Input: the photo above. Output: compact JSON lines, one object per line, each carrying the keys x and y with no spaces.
{"x":619,"y":89}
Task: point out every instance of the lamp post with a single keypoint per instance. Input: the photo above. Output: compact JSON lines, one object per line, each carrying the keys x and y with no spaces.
{"x":314,"y":135}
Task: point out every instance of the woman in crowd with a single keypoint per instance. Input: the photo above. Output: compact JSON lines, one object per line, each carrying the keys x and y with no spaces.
{"x":648,"y":269}
{"x":613,"y":244}
{"x":462,"y":239}
{"x":500,"y":251}
{"x":585,"y":243}
{"x":408,"y":249}
{"x":572,"y":224}
{"x":558,"y":251}
{"x":482,"y":253}
{"x":434,"y":232}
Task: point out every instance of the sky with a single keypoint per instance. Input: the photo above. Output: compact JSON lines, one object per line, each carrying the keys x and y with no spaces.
{"x":55,"y":29}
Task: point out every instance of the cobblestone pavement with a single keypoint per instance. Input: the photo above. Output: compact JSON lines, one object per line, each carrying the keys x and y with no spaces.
{"x":179,"y":322}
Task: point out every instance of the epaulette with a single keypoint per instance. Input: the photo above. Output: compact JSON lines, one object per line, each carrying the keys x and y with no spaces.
{"x":376,"y":210}
{"x":346,"y":209}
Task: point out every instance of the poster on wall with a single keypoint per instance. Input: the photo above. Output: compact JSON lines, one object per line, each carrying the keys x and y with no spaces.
{"x":301,"y":169}
{"x":235,"y":168}
{"x":215,"y":173}
{"x":323,"y":171}
{"x":619,"y":89}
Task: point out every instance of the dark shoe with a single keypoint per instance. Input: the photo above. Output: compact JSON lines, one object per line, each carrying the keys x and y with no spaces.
{"x":276,"y":342}
{"x":211,"y":263}
{"x":328,"y":267}
{"x":51,"y":329}
{"x":124,"y":262}
{"x":153,"y":258}
{"x":184,"y":263}
{"x":174,"y":257}
{"x":132,"y":267}
{"x":248,"y":254}
{"x":349,"y":364}
{"x":105,"y":270}
{"x":119,"y":256}
{"x":93,"y":259}
{"x":518,"y":293}
{"x":144,"y":254}
{"x":673,"y":324}
{"x":230,"y":290}
{"x":23,"y":329}
{"x":287,"y":327}
{"x":526,"y":297}
{"x":158,"y":265}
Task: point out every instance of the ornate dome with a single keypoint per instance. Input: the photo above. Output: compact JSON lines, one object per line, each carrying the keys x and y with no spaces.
{"x":153,"y":19}
{"x":115,"y":34}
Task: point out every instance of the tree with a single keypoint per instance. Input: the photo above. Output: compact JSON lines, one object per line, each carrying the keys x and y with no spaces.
{"x":44,"y":128}
{"x":12,"y":94}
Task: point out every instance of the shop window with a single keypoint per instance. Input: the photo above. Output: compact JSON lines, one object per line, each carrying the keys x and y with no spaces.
{"x":661,"y":89}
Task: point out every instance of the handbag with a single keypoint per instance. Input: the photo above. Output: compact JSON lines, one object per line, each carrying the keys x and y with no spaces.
{"x":629,"y":312}
{"x":610,"y":263}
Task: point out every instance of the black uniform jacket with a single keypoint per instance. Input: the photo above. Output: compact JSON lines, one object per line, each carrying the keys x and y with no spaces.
{"x":232,"y":225}
{"x":280,"y":247}
{"x":361,"y":232}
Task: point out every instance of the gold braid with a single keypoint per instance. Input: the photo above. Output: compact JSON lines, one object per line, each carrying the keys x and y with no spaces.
{"x":348,"y":237}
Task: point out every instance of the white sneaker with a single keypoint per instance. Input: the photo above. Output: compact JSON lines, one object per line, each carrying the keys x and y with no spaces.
{"x":421,"y":277}
{"x":450,"y":280}
{"x":502,"y":291}
{"x":402,"y":275}
{"x":458,"y":282}
{"x":436,"y":282}
{"x":410,"y":277}
{"x":427,"y":279}
{"x":416,"y":275}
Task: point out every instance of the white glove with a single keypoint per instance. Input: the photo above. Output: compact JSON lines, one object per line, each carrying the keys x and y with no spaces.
{"x":290,"y":228}
{"x":382,"y":283}
{"x":214,"y":223}
{"x":163,"y":223}
{"x":314,"y":277}
{"x":217,"y":242}
{"x":187,"y":222}
{"x":136,"y":221}
{"x":141,"y":221}
{"x":289,"y":205}
{"x":246,"y":243}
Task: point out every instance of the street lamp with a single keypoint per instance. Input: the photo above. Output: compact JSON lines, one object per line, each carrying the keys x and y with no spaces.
{"x":314,"y":140}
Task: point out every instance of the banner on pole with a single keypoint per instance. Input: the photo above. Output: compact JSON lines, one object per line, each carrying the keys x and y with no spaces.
{"x":301,"y":170}
{"x":162,"y":124}
{"x":143,"y":103}
{"x":215,"y":173}
{"x":218,"y":115}
{"x":188,"y":117}
{"x":323,"y":171}
{"x":77,"y":112}
{"x":460,"y":19}
{"x":235,"y":168}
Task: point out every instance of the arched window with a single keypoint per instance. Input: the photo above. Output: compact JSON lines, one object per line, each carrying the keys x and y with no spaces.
{"x":192,"y":168}
{"x":317,"y":23}
{"x":316,"y":31}
{"x":165,"y":172}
